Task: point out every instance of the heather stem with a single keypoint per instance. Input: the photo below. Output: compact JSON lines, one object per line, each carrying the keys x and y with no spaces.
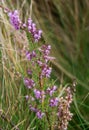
{"x":41,"y":86}
{"x":48,"y":120}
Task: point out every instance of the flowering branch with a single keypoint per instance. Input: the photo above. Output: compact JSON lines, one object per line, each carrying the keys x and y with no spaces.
{"x":43,"y":94}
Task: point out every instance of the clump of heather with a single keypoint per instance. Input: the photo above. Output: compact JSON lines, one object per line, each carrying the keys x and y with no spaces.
{"x":42,"y":97}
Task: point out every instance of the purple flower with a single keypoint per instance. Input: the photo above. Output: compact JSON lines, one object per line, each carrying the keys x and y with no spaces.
{"x":24,"y":25}
{"x":33,"y":54}
{"x":32,"y":108}
{"x":46,"y":71}
{"x":45,"y":49}
{"x":39,"y":63}
{"x":30,"y":25}
{"x":30,"y":55}
{"x":14,"y":19}
{"x":50,"y":91}
{"x":39,"y":114}
{"x":33,"y":30}
{"x":29,"y":72}
{"x":37,"y":35}
{"x":29,"y":83}
{"x":54,"y":102}
{"x":39,"y":94}
{"x":40,"y":32}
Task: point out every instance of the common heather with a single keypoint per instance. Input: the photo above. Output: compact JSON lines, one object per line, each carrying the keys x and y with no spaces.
{"x":42,"y":97}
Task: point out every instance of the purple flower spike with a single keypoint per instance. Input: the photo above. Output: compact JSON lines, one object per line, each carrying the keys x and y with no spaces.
{"x":50,"y":91}
{"x":29,"y":83}
{"x":54,"y":102}
{"x":14,"y":19}
{"x":40,"y":114}
{"x":33,"y":30}
{"x":46,"y":71}
{"x":37,"y":94}
{"x":37,"y":35}
{"x":45,"y":49}
{"x":54,"y":88}
{"x":30,"y":55}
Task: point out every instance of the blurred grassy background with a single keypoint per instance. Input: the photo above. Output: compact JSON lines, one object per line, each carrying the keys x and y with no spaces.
{"x":65,"y":25}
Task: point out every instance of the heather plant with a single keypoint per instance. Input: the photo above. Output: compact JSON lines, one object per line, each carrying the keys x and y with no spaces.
{"x":48,"y":103}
